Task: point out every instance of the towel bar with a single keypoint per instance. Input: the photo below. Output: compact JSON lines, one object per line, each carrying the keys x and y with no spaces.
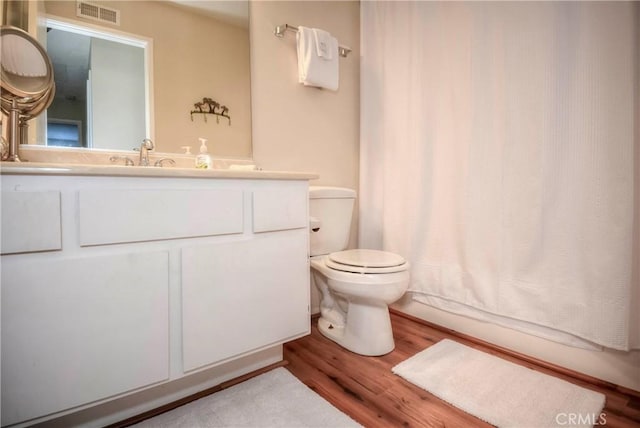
{"x":281,"y":29}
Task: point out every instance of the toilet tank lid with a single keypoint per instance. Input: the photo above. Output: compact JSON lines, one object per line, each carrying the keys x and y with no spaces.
{"x":328,"y":192}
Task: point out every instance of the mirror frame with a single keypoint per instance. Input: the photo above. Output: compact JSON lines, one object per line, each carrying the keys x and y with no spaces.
{"x":112,"y":35}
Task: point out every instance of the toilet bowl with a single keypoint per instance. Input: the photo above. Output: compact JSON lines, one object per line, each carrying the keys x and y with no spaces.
{"x":357,"y":286}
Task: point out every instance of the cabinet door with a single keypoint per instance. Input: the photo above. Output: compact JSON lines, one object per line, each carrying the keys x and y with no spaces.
{"x":76,"y":330}
{"x":244,"y":295}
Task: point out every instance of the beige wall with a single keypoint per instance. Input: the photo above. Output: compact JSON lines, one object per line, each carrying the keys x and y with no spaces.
{"x":195,"y":56}
{"x":301,"y":128}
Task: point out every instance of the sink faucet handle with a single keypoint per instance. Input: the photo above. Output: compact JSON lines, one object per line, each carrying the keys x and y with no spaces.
{"x":127,"y":160}
{"x":161,"y":162}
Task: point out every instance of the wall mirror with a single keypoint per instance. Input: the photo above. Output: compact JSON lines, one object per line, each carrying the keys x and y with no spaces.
{"x":141,"y":76}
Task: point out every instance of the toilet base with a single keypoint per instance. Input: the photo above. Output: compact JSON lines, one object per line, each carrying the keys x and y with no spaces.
{"x":367,"y":330}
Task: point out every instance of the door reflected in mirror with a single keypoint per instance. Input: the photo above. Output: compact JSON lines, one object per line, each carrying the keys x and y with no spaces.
{"x":190,"y":55}
{"x":100,"y":83}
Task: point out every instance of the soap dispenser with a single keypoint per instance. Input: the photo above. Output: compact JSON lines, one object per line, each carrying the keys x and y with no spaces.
{"x":203,"y":160}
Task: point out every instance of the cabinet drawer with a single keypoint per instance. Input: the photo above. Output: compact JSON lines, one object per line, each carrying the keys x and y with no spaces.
{"x":118,"y":216}
{"x":30,"y":222}
{"x":280,"y":209}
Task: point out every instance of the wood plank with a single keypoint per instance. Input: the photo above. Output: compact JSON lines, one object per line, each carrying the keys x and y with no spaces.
{"x":367,"y":390}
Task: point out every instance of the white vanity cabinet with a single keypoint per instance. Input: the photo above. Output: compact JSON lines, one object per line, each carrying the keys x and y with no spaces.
{"x":111,"y":285}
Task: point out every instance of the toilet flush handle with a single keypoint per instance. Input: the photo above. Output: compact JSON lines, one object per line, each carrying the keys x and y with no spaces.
{"x":314,"y":224}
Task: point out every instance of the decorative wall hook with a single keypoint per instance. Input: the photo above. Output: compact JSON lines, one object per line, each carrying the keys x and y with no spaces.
{"x":209,"y":106}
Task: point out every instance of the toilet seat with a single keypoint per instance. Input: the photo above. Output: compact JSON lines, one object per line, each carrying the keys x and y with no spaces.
{"x":366,"y":261}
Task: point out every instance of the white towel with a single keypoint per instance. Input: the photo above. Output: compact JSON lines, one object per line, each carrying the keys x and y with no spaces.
{"x":324,"y":43}
{"x":317,"y":63}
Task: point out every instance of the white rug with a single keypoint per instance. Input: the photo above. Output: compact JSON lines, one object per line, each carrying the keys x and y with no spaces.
{"x":273,"y":399}
{"x":498,"y":391}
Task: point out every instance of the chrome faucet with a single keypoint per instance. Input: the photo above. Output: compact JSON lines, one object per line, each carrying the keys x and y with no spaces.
{"x":146,"y":145}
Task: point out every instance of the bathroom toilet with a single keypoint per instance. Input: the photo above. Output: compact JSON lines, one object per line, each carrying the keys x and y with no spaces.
{"x":356,"y":286}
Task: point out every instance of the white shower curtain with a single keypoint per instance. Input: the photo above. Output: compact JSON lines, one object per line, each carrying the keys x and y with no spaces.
{"x":497,"y":156}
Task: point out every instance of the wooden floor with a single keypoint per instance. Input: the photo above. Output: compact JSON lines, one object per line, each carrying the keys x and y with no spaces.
{"x":365,"y":388}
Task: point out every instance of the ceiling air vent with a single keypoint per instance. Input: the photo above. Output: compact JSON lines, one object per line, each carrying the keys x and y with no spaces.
{"x":98,"y":13}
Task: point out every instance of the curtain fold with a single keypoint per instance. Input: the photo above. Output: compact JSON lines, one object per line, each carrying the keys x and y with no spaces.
{"x":497,"y":155}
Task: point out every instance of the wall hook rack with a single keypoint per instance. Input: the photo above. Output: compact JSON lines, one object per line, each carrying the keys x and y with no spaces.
{"x":209,"y":106}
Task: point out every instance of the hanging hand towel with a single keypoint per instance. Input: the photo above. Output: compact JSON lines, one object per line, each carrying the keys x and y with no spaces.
{"x":324,"y":43}
{"x":317,"y":58}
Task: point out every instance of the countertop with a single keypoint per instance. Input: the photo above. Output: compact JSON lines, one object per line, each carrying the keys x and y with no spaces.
{"x":41,"y":168}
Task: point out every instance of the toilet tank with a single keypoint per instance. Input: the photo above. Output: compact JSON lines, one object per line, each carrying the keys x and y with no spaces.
{"x":332,"y":207}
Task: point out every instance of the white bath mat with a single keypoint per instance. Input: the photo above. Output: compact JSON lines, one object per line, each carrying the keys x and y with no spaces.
{"x":273,"y":399}
{"x":498,"y":391}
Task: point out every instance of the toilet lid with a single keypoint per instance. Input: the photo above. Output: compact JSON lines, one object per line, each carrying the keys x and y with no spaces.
{"x":366,"y":261}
